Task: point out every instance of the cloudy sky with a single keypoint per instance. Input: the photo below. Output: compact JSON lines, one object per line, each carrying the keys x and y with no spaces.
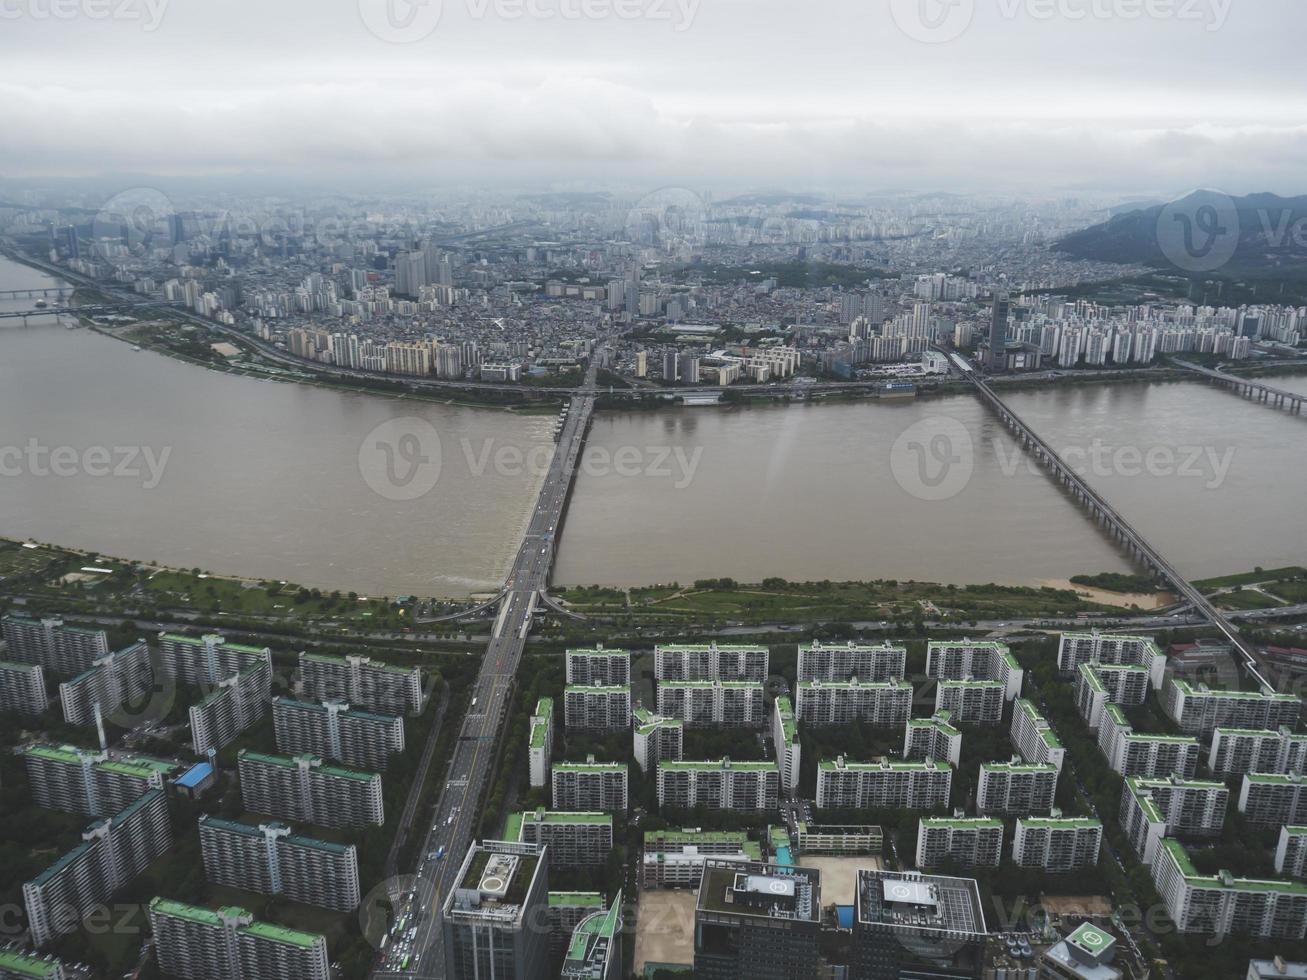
{"x":1130,"y":96}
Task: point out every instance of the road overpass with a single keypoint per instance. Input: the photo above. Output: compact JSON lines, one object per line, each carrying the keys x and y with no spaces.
{"x":1290,"y":401}
{"x":1133,"y":542}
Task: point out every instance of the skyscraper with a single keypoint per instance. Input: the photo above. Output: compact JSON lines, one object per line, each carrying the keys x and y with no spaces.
{"x":758,"y":921}
{"x":492,"y":918}
{"x":998,"y":332}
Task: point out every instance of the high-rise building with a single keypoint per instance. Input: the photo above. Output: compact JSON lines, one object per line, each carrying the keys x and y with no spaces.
{"x":1220,"y":904}
{"x":305,"y":789}
{"x":491,"y":919}
{"x":1033,"y":736}
{"x":363,"y":682}
{"x":1001,"y":311}
{"x":1236,"y":751}
{"x":206,"y":660}
{"x":970,"y":842}
{"x":235,"y":703}
{"x":961,"y":660}
{"x":851,"y":661}
{"x":711,"y":662}
{"x":785,"y":739}
{"x":758,"y":921}
{"x":1291,"y":852}
{"x":22,"y":688}
{"x":886,"y":784}
{"x":595,"y":952}
{"x":1200,"y":710}
{"x":589,"y":786}
{"x":566,"y":911}
{"x":1152,"y":809}
{"x":1269,"y":799}
{"x":270,"y":858}
{"x":194,"y":943}
{"x":909,"y":924}
{"x":114,"y":680}
{"x":1058,"y":845}
{"x":93,"y":783}
{"x":884,"y":704}
{"x":541,"y":739}
{"x":971,"y":702}
{"x":933,"y":738}
{"x":611,"y":668}
{"x":58,"y":648}
{"x":596,"y":707}
{"x":1075,"y":649}
{"x":333,"y":730}
{"x":744,"y":787}
{"x":656,"y":739}
{"x":732,"y":704}
{"x":575,"y":840}
{"x":1016,"y":788}
{"x":1133,"y":753}
{"x":1098,"y":685}
{"x":114,"y":850}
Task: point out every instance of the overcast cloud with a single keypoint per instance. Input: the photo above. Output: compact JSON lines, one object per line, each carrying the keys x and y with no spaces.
{"x":1033,"y":95}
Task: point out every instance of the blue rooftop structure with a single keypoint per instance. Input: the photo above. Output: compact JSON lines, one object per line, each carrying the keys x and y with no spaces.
{"x":195,"y":775}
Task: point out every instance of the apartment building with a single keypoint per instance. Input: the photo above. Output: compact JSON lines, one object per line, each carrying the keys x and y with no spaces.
{"x":885,"y":784}
{"x":656,"y":738}
{"x":363,"y":682}
{"x":19,"y":964}
{"x":1034,"y":738}
{"x":711,"y":662}
{"x":596,"y":708}
{"x":1132,"y":753}
{"x":541,"y":739}
{"x":1153,"y":809}
{"x":1057,"y":845}
{"x":1098,"y":685}
{"x":975,"y":660}
{"x":564,"y":912}
{"x":845,"y":662}
{"x":601,"y":666}
{"x":1269,"y":799}
{"x":113,"y":851}
{"x":843,"y":840}
{"x":60,"y":649}
{"x":575,"y":840}
{"x":22,"y":688}
{"x":970,"y":842}
{"x":675,"y":858}
{"x":205,"y":660}
{"x":116,"y":679}
{"x":235,"y":703}
{"x":271,"y":859}
{"x":1075,"y":649}
{"x":91,"y":782}
{"x":1016,"y":788}
{"x":744,"y":787}
{"x":1236,"y":751}
{"x":883,"y":704}
{"x":971,"y":702}
{"x":1199,"y":710}
{"x":785,"y":737}
{"x":734,"y":704}
{"x":599,"y":787}
{"x":1291,"y":852}
{"x":334,"y":730}
{"x":933,"y":738}
{"x":307,"y":789}
{"x":595,"y":952}
{"x":194,"y":943}
{"x":1221,"y":904}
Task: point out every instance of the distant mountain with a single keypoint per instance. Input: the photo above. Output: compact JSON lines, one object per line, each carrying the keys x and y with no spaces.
{"x":1261,"y":235}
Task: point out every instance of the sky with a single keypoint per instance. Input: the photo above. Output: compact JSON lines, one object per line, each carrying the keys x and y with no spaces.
{"x":1144,"y":97}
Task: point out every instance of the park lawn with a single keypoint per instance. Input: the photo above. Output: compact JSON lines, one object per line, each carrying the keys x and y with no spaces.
{"x":1248,"y":599}
{"x":1249,"y":578}
{"x":1292,"y":592}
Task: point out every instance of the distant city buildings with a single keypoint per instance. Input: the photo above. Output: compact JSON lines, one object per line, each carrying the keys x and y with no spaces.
{"x":851,"y":661}
{"x":656,"y":738}
{"x":1200,"y":710}
{"x":599,"y":667}
{"x":1132,"y":753}
{"x":975,"y":661}
{"x":1153,"y":809}
{"x":933,"y":738}
{"x":883,"y":704}
{"x":732,"y":704}
{"x":1033,"y":737}
{"x":971,"y":702}
{"x":1236,"y":751}
{"x":711,"y":662}
{"x":90,"y":782}
{"x":596,"y":707}
{"x":1099,"y":685}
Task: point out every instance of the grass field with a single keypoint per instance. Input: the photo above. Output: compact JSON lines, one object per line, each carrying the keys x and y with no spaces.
{"x":1254,"y":577}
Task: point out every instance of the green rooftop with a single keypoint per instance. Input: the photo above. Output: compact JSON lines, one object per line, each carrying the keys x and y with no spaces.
{"x":962,"y":823}
{"x":718,"y":765}
{"x":576,"y":899}
{"x":26,"y":964}
{"x":1224,"y":881}
{"x":280,"y":934}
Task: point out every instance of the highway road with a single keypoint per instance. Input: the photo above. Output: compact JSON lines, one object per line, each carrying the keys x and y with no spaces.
{"x":458,"y":809}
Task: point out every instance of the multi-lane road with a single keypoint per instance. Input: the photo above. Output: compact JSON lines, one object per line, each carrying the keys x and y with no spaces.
{"x":458,"y":809}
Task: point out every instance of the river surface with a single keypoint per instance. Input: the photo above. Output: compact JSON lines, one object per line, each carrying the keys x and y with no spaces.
{"x":269,"y":480}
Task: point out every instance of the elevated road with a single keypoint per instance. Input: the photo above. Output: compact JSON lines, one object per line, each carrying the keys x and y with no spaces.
{"x":1290,"y":401}
{"x":458,"y":809}
{"x":1130,"y":538}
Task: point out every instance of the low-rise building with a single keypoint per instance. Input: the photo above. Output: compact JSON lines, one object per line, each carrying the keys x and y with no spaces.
{"x":883,"y":704}
{"x":988,"y":660}
{"x":1016,"y":788}
{"x":575,"y":840}
{"x":843,"y":840}
{"x":837,"y":663}
{"x":22,"y":964}
{"x":970,"y":842}
{"x":744,"y":787}
{"x":971,"y":702}
{"x":590,"y":786}
{"x":1220,"y":904}
{"x":734,"y":704}
{"x":711,"y":662}
{"x":933,"y":738}
{"x":194,"y":943}
{"x":1153,"y":809}
{"x":1033,"y":737}
{"x":1291,"y":852}
{"x":1236,"y":751}
{"x":271,"y":859}
{"x":1200,"y":710}
{"x":675,"y":858}
{"x":1273,"y":799}
{"x":1058,"y":845}
{"x":1132,"y":753}
{"x":306,"y":789}
{"x":885,"y":784}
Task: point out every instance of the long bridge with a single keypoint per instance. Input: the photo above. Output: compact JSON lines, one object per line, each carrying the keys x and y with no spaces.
{"x":1133,"y":541}
{"x":1290,"y":401}
{"x":59,"y":292}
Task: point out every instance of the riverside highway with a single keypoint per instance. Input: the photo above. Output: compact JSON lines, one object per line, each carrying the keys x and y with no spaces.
{"x":458,"y":809}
